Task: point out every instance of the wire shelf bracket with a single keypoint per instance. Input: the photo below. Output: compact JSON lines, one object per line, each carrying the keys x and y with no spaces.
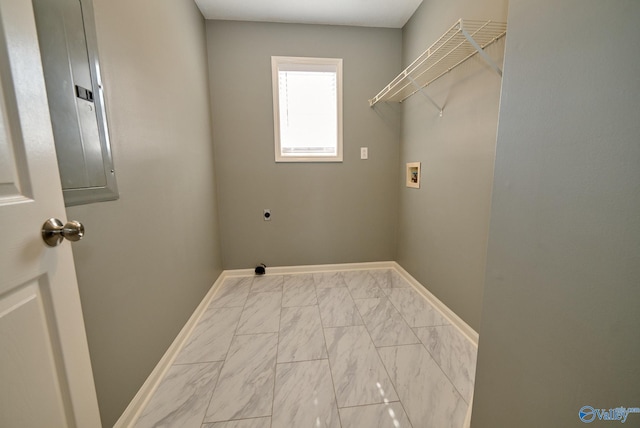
{"x":462,"y":41}
{"x":481,"y":51}
{"x":423,"y":92}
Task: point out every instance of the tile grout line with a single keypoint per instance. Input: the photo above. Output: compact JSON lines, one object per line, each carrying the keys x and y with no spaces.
{"x":393,"y":304}
{"x":396,"y":387}
{"x":235,"y":420}
{"x":197,"y":362}
{"x":198,"y":324}
{"x":210,"y":363}
{"x":387,"y":371}
{"x":275,"y":366}
{"x":385,"y":297}
{"x":227,"y":356}
{"x":324,"y":336}
{"x":301,"y":305}
{"x":434,"y":360}
{"x":405,"y":319}
{"x":439,"y":365}
{"x":301,"y":361}
{"x":379,"y":360}
{"x":370,"y":404}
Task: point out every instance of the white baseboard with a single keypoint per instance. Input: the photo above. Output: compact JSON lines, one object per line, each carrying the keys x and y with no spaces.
{"x":137,"y":405}
{"x":288,"y":270}
{"x":467,"y":419}
{"x":453,"y":318}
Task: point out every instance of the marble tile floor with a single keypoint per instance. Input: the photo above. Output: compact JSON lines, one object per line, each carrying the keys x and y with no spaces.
{"x":353,"y":349}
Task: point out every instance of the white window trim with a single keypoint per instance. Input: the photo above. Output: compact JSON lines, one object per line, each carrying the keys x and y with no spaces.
{"x":276,"y":62}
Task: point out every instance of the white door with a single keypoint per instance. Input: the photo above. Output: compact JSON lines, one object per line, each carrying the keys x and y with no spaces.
{"x":45,"y":372}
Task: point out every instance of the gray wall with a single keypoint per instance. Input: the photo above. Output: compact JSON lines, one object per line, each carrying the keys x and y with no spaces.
{"x":322,"y":212}
{"x":560,"y":322}
{"x":443,"y":226}
{"x":149,"y":258}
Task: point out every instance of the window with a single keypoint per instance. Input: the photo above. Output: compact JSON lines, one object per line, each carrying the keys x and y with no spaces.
{"x":307,"y":109}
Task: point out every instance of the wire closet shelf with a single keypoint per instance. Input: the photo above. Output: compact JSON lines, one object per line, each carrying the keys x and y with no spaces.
{"x":463,"y":40}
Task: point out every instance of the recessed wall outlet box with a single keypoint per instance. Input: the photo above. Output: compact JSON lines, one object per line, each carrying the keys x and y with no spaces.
{"x":266,"y":214}
{"x":364,"y":153}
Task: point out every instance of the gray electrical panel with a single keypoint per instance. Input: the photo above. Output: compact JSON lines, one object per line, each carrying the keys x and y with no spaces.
{"x":66,"y":33}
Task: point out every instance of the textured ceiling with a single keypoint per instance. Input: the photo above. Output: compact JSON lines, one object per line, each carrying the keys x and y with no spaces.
{"x":364,"y":13}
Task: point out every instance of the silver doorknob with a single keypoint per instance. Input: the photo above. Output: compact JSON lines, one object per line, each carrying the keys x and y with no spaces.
{"x":54,"y":232}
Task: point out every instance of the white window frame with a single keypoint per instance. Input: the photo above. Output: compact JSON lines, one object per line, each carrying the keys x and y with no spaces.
{"x":306,"y":64}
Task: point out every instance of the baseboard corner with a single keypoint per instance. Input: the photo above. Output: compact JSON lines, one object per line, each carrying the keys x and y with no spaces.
{"x":453,"y":318}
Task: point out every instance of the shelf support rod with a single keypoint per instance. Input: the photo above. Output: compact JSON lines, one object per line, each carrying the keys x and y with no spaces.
{"x":481,"y":51}
{"x":421,"y":90}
